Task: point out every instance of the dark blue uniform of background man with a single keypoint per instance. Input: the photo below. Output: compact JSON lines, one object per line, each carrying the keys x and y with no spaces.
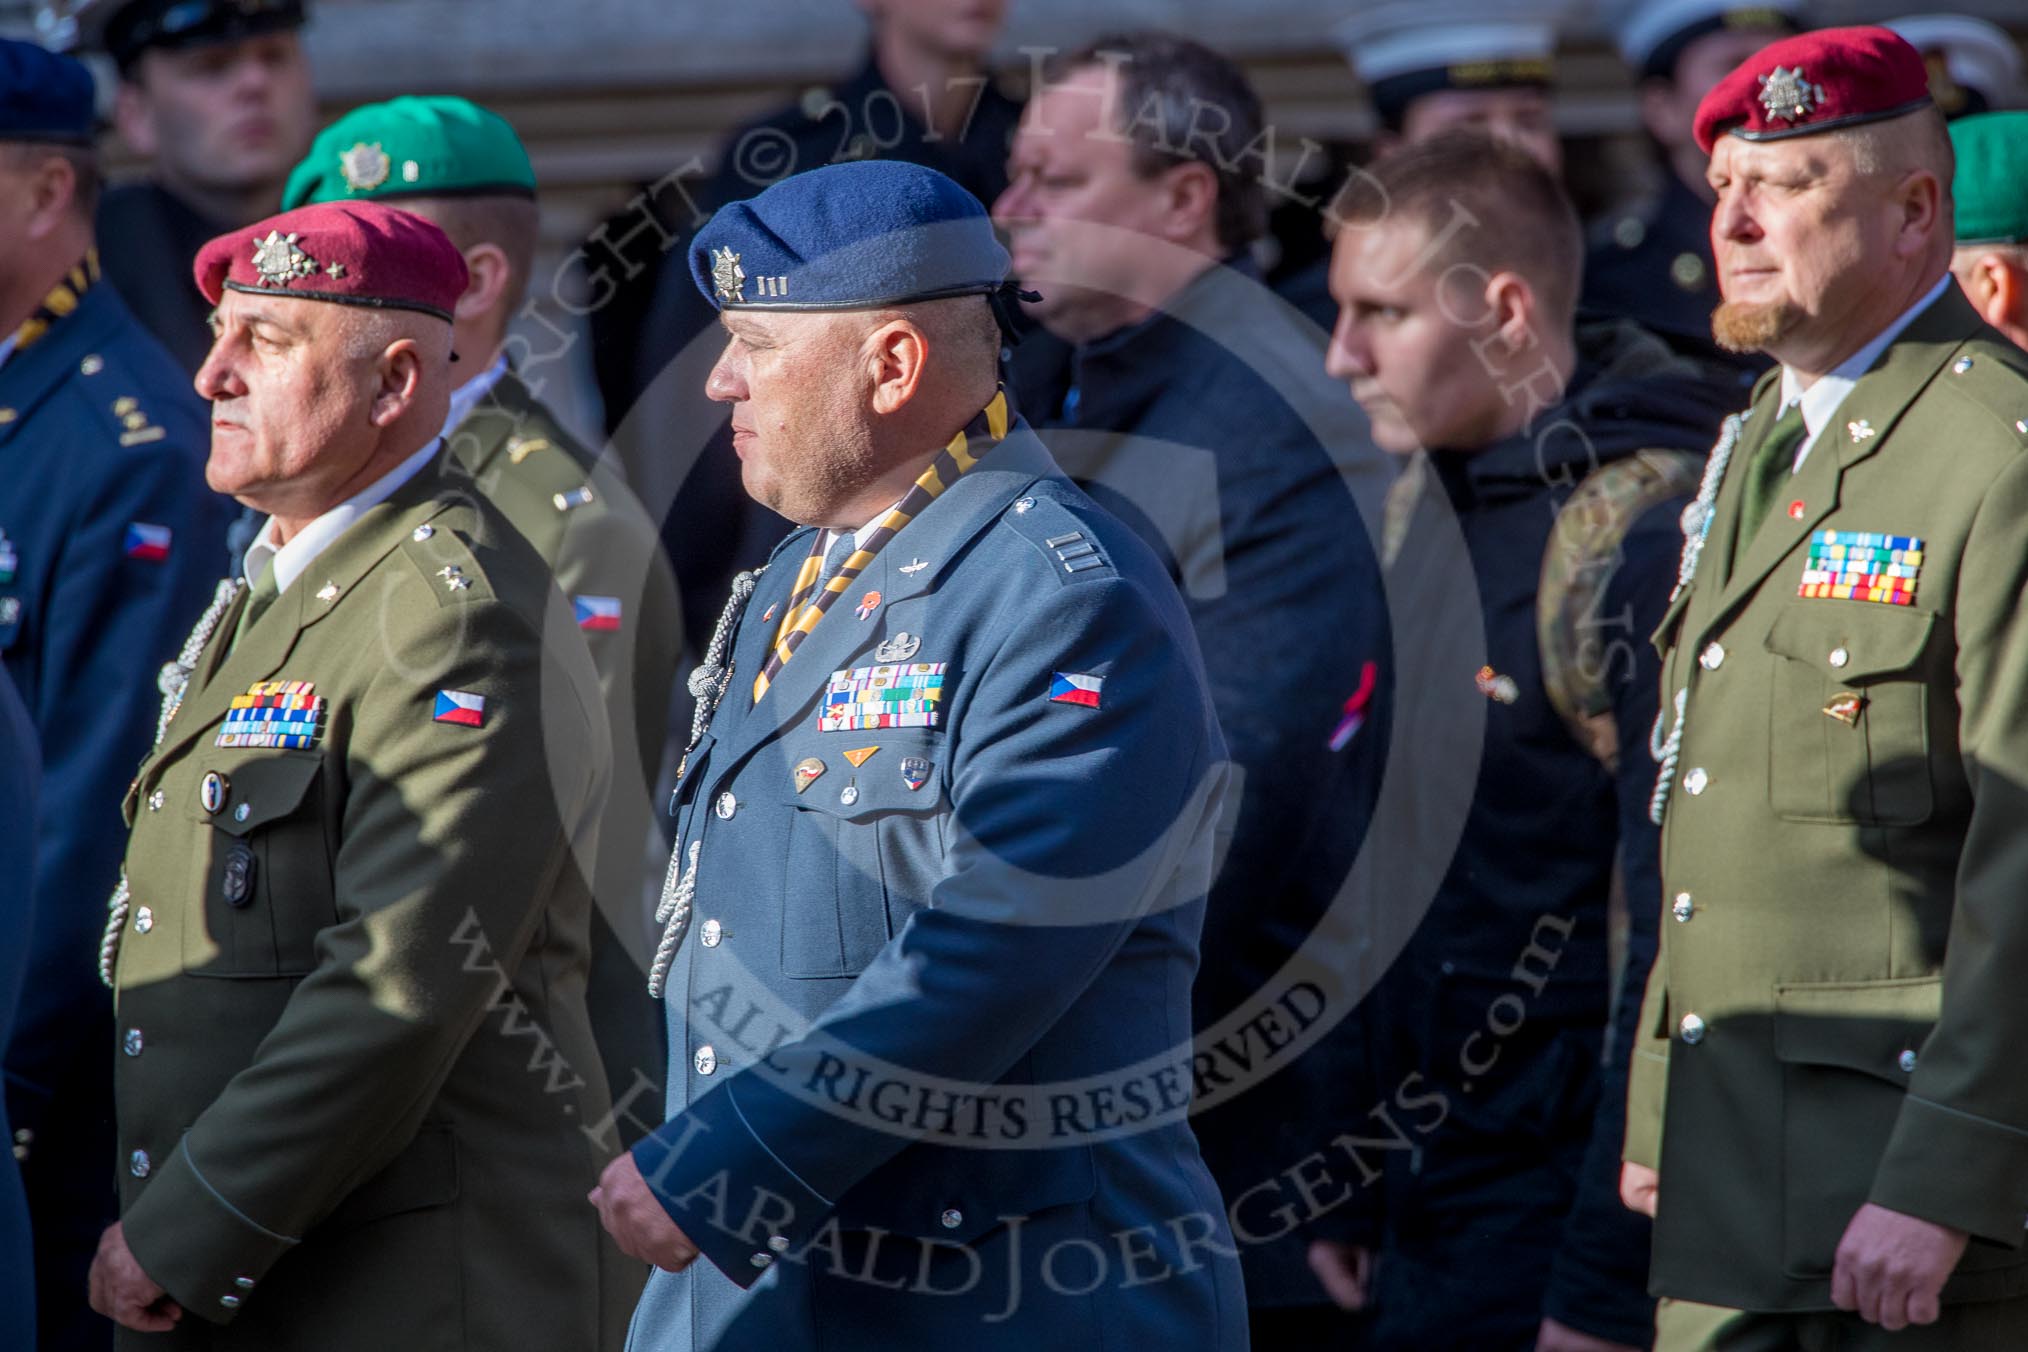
{"x":110,"y":544}
{"x":1194,"y":405}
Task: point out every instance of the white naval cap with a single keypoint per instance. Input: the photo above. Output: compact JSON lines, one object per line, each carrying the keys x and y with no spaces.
{"x":1406,"y":49}
{"x":1653,"y":33}
{"x":1974,"y":67}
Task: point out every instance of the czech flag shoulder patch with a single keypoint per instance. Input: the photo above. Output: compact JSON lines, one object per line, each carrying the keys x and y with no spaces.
{"x":597,"y":614}
{"x":149,"y":543}
{"x":461,"y":707}
{"x":1070,"y":687}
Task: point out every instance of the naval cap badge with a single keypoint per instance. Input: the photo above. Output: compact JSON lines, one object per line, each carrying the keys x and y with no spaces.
{"x":365,"y":166}
{"x":279,"y":261}
{"x":1787,"y":96}
{"x":728,"y":278}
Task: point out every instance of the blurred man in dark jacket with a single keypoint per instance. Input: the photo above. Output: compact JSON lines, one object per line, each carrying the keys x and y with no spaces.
{"x":1461,"y":346}
{"x":1194,"y":406}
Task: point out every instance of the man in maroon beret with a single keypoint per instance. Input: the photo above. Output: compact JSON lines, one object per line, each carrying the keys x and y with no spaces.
{"x":358,"y":1098}
{"x":1828,"y":1117}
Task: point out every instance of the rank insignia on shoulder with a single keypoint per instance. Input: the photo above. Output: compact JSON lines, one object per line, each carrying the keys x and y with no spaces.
{"x":1070,"y":687}
{"x":896,"y":695}
{"x":597,"y":614}
{"x":461,"y":707}
{"x":284,"y":715}
{"x":1846,"y":565}
{"x":148,"y":543}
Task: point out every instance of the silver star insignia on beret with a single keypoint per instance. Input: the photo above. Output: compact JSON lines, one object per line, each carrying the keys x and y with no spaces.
{"x":279,"y":261}
{"x":1788,"y":96}
{"x":365,"y":166}
{"x":728,"y":278}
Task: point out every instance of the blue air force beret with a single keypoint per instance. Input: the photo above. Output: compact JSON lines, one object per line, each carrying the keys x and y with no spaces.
{"x":43,"y":96}
{"x":856,"y":236}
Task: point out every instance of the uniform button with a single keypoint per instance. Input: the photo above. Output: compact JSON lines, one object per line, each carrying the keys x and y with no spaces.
{"x":779,"y":1243}
{"x":144,"y":920}
{"x":132,"y":1043}
{"x":229,"y":1302}
{"x":1694,"y":782}
{"x":710,"y":934}
{"x":761,"y":1260}
{"x":1684,"y":907}
{"x":1907,"y":1063}
{"x":140,"y":1164}
{"x":424,"y":532}
{"x":1962,"y":365}
{"x":1839,"y":657}
{"x":242,"y":812}
{"x":952,"y":1219}
{"x":1712,"y":657}
{"x":727,"y":805}
{"x":1692,"y":1029}
{"x":706,"y":1060}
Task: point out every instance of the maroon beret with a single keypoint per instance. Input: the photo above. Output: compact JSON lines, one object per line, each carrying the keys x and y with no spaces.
{"x":1813,"y":82}
{"x":354,"y":253}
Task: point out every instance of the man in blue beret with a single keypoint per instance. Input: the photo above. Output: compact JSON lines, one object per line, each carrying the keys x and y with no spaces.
{"x":109,"y":545}
{"x":943,"y":835}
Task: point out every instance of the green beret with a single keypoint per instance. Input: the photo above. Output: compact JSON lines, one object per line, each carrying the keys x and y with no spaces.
{"x":1992,"y":181}
{"x":432,"y":146}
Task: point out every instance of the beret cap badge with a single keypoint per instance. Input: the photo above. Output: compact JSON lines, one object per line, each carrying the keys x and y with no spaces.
{"x":728,"y":278}
{"x":1788,"y":96}
{"x":365,"y":166}
{"x":279,"y":261}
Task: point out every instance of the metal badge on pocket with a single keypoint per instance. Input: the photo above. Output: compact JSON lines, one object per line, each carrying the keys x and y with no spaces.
{"x":238,"y":882}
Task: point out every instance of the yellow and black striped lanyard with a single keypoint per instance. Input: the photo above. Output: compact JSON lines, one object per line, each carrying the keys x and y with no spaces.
{"x":809,"y":602}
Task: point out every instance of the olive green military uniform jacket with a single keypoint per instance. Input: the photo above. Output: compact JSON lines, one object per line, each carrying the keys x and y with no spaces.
{"x":356,"y":1085}
{"x":605,"y":555}
{"x":1840,"y":1008}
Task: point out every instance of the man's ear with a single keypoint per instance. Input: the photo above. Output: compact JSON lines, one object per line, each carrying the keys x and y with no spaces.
{"x":52,"y":194}
{"x":1190,"y":201}
{"x":400,"y":380}
{"x":1920,"y":198}
{"x":490,"y":274}
{"x":133,"y":119}
{"x":896,"y":355}
{"x":1510,"y":300}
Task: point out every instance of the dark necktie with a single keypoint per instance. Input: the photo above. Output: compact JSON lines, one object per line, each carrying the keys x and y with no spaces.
{"x":1772,"y":467}
{"x":262,"y":595}
{"x":841,"y":549}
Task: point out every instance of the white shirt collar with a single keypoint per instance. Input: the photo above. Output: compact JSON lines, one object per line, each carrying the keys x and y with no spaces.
{"x":467,"y":396}
{"x":860,"y":536}
{"x":1820,"y":402}
{"x":293,"y":559}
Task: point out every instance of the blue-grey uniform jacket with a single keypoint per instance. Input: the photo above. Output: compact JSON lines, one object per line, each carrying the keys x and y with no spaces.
{"x":930,"y":1029}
